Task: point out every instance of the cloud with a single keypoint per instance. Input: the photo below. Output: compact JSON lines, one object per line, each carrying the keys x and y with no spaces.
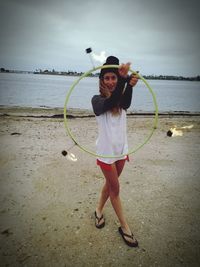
{"x":162,"y":34}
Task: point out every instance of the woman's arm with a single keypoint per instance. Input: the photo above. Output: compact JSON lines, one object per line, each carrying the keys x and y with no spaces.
{"x":126,"y":98}
{"x":101,"y":104}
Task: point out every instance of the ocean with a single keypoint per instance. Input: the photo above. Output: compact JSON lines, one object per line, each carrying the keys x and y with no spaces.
{"x":49,"y":91}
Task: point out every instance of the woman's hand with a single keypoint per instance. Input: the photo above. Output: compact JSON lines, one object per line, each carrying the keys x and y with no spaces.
{"x":104,"y":89}
{"x":124,"y":69}
{"x":133,"y":80}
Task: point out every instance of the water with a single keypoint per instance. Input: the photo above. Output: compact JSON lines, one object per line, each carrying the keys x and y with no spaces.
{"x":31,"y":90}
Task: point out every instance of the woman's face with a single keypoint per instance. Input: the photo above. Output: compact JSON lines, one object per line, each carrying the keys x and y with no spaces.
{"x":110,"y":80}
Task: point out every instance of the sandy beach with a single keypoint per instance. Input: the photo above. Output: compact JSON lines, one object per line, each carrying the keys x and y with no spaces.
{"x":47,"y":201}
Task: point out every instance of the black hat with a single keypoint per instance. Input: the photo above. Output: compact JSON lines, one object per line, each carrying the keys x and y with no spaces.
{"x":111,"y":60}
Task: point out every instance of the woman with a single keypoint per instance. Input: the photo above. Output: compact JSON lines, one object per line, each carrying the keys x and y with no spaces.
{"x":110,"y":110}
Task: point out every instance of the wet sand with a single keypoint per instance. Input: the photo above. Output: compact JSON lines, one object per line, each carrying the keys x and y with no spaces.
{"x":47,"y":202}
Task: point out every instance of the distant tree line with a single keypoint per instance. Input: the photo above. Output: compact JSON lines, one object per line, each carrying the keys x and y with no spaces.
{"x":171,"y":77}
{"x":75,"y":73}
{"x":54,"y":72}
{"x":4,"y":70}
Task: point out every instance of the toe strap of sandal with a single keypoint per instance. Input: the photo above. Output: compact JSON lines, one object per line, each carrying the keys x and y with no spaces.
{"x":98,"y":219}
{"x":130,"y":236}
{"x":126,"y":235}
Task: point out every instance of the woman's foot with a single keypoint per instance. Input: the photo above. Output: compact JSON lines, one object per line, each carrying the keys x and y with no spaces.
{"x":128,"y":237}
{"x":99,"y":220}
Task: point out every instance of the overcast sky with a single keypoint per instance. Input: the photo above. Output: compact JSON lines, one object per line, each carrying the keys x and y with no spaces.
{"x":157,"y":36}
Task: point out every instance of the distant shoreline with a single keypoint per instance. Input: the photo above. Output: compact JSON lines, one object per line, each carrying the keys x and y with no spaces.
{"x":45,"y":112}
{"x":78,"y":74}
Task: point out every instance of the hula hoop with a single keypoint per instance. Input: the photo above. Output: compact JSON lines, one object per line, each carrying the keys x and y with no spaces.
{"x":89,"y":151}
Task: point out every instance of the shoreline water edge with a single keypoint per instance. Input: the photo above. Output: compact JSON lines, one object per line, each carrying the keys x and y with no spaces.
{"x":78,"y":113}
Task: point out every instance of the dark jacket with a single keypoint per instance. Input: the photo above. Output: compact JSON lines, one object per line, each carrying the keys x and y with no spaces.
{"x":101,"y":104}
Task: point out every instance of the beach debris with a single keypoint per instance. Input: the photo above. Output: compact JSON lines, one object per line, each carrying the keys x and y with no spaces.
{"x":23,"y":257}
{"x":178,"y":131}
{"x":76,"y":209}
{"x":6,"y":232}
{"x":15,"y":133}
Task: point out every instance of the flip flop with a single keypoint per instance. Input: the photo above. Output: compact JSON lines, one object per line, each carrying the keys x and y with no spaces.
{"x":99,"y":219}
{"x":130,"y":244}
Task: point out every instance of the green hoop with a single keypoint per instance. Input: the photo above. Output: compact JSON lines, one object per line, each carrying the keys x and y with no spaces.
{"x":89,"y":151}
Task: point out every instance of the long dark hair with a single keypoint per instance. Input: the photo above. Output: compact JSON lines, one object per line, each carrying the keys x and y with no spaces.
{"x":105,"y":92}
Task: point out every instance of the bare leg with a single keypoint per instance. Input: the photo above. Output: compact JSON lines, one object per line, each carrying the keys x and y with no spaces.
{"x":113,"y":185}
{"x":102,"y":200}
{"x":111,"y":189}
{"x":105,"y":190}
{"x":120,"y":165}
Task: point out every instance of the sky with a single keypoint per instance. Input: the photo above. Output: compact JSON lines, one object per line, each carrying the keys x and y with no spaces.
{"x":156,"y":36}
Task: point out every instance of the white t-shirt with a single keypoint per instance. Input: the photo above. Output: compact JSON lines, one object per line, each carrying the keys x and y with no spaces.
{"x":112,"y":137}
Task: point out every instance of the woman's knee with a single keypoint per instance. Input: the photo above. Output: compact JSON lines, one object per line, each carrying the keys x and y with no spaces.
{"x":106,"y":188}
{"x":112,"y":181}
{"x":114,"y":190}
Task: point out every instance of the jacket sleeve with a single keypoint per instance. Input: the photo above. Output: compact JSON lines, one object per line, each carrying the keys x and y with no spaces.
{"x":126,"y":98}
{"x":101,"y":104}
